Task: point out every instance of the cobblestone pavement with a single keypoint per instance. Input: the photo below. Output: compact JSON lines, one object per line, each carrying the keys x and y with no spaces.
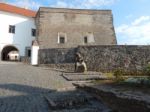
{"x":25,"y":88}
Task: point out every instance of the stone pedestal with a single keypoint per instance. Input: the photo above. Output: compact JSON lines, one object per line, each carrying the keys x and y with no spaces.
{"x":81,"y":67}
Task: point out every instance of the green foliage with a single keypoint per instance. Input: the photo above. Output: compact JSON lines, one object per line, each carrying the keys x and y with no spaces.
{"x":141,"y":81}
{"x":119,"y":73}
{"x":146,"y":70}
{"x":109,"y":74}
{"x":133,"y":73}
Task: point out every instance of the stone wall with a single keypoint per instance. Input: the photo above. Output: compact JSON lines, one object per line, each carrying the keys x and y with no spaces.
{"x":100,"y":58}
{"x":74,"y":25}
{"x":56,"y":56}
{"x":108,"y":58}
{"x":67,"y":67}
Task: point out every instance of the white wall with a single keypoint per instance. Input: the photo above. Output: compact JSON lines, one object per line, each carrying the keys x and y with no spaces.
{"x":22,"y":37}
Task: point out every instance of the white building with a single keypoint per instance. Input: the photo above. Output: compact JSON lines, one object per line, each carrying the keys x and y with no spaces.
{"x":13,"y":55}
{"x":17,"y":30}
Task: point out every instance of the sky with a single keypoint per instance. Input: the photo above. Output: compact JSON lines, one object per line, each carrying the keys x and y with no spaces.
{"x":131,"y":18}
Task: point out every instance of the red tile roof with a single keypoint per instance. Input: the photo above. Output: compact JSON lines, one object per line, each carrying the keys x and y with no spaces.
{"x":17,"y":10}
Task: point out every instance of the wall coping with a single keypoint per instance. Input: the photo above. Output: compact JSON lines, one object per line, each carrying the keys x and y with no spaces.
{"x":77,"y":11}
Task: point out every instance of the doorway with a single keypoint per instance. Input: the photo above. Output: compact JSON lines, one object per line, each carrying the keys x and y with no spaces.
{"x":10,"y":53}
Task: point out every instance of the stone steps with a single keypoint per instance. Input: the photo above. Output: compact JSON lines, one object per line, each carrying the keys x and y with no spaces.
{"x":84,"y":76}
{"x":74,"y":101}
{"x":119,"y":99}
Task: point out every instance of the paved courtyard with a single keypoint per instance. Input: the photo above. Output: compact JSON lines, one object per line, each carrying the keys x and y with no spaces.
{"x":30,"y":78}
{"x":25,"y":88}
{"x":22,"y":85}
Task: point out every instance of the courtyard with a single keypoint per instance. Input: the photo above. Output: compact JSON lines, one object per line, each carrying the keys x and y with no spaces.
{"x":25,"y":88}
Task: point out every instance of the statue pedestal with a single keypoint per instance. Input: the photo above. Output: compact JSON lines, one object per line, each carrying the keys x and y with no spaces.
{"x":81,"y":67}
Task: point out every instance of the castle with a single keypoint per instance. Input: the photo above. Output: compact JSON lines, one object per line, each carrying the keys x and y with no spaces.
{"x":66,"y":28}
{"x":52,"y":28}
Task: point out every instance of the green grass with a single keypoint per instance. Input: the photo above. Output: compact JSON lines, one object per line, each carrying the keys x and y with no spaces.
{"x":109,"y":74}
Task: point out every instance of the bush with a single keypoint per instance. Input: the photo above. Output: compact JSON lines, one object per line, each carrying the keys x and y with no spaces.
{"x":133,"y":73}
{"x":139,"y":80}
{"x":119,"y":73}
{"x":146,"y":70}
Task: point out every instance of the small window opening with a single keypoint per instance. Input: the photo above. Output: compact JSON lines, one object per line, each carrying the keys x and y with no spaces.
{"x":85,"y":39}
{"x":33,"y":32}
{"x":29,"y":52}
{"x":11,"y":29}
{"x":62,"y":40}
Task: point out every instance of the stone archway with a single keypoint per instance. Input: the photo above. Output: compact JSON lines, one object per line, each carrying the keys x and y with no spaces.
{"x":6,"y":52}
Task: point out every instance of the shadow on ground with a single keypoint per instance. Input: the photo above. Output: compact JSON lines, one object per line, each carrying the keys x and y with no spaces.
{"x":35,"y":99}
{"x":31,"y":101}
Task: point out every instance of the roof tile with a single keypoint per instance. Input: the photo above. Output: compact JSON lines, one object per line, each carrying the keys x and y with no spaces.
{"x":17,"y":10}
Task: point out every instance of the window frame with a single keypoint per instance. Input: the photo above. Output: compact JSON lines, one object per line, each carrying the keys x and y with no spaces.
{"x":12,"y":29}
{"x":33,"y":32}
{"x":85,"y":39}
{"x":61,"y":40}
{"x":89,"y":38}
{"x":28,"y":52}
{"x":62,"y":36}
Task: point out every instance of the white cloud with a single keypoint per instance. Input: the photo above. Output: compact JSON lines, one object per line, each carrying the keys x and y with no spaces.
{"x":61,"y":4}
{"x":137,"y":32}
{"x":29,"y":4}
{"x":122,"y":28}
{"x":87,"y":4}
{"x":141,"y":20}
{"x":83,"y":3}
{"x":96,"y":3}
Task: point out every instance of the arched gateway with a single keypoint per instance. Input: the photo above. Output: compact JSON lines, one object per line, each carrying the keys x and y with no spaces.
{"x":10,"y":53}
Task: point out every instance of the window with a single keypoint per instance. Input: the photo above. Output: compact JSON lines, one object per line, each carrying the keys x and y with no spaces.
{"x":89,"y":38}
{"x":29,"y":52}
{"x":11,"y":29}
{"x":62,"y":38}
{"x":33,"y":32}
{"x":85,"y":39}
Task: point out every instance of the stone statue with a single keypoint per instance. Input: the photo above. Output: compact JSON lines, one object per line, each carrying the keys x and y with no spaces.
{"x":80,"y":65}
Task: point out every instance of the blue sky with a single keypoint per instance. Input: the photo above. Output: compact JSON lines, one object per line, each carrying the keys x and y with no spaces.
{"x":131,"y":17}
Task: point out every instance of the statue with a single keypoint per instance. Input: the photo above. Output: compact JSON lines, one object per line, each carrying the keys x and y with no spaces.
{"x":80,"y":65}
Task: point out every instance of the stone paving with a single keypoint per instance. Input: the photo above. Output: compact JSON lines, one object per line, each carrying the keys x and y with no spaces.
{"x":24,"y":88}
{"x":87,"y":76}
{"x":29,"y":79}
{"x":120,"y":97}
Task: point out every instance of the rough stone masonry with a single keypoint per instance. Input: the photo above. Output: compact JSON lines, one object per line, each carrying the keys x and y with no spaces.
{"x":99,"y":58}
{"x":63,"y":32}
{"x":68,"y":28}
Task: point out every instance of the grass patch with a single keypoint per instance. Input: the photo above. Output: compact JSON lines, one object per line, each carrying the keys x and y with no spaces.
{"x":97,"y":82}
{"x":109,"y":74}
